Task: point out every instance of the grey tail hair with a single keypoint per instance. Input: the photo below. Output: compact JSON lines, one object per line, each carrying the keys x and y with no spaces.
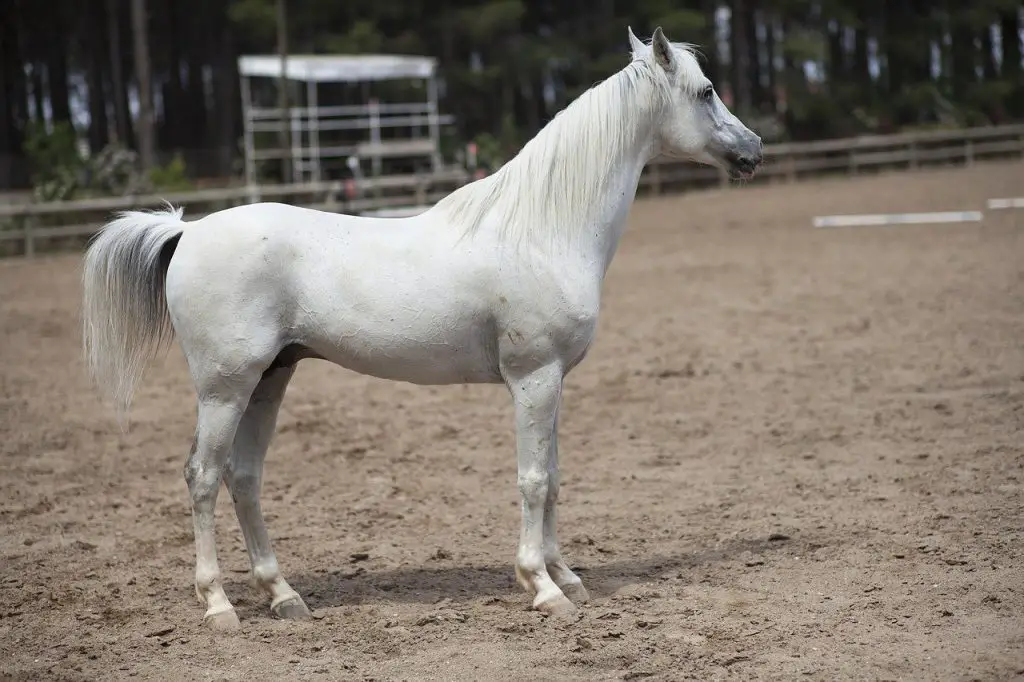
{"x":125,"y":321}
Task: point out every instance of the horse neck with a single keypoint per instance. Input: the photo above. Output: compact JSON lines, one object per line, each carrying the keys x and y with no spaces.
{"x":600,"y":243}
{"x":568,"y":191}
{"x":594,"y":233}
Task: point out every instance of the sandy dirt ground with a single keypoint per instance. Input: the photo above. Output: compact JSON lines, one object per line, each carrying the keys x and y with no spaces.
{"x":791,"y":454}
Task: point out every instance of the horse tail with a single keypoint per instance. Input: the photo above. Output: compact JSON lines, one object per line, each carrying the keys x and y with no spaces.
{"x":125,"y":321}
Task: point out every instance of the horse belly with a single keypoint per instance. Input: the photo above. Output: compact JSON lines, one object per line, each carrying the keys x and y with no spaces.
{"x":391,"y":305}
{"x":418,"y":354}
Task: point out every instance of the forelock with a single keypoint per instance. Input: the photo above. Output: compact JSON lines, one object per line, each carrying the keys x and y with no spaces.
{"x":691,"y":75}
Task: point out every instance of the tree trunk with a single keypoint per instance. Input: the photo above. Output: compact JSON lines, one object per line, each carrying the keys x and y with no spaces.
{"x":1011,"y":69}
{"x":989,"y":68}
{"x":895,"y":66}
{"x":861,"y":59}
{"x":713,"y":67}
{"x":226,"y":85}
{"x":99,"y":127}
{"x":962,"y":54}
{"x":13,"y":98}
{"x":122,"y":121}
{"x":757,"y":95}
{"x":57,"y":72}
{"x":175,"y":118}
{"x":195,"y":114}
{"x":740,"y":49}
{"x":771,"y":77}
{"x":38,"y":92}
{"x":282,"y":93}
{"x":143,"y":77}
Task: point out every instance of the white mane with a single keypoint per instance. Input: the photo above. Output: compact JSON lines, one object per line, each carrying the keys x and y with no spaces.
{"x":548,"y":188}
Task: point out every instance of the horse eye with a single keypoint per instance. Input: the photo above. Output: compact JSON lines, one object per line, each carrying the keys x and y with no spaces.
{"x":707,"y":92}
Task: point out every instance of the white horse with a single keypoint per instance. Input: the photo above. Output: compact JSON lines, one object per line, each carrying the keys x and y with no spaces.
{"x":500,"y":282}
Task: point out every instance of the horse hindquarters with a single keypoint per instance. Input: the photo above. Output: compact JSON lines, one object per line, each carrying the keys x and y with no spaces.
{"x":227,"y":323}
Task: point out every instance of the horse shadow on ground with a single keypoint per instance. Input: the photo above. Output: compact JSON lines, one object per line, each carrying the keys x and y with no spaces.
{"x":352,"y":584}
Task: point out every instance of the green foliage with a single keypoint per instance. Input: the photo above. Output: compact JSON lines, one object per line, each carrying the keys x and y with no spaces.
{"x":497,"y":54}
{"x":362,"y":37}
{"x":508,"y":66}
{"x":258,"y":18}
{"x":682,"y":22}
{"x":52,"y":153}
{"x":487,"y":21}
{"x":488,"y":152}
{"x":62,"y":174}
{"x":172,"y":177}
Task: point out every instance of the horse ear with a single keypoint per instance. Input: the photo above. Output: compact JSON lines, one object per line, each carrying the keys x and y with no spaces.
{"x":635,"y":45}
{"x":662,"y":50}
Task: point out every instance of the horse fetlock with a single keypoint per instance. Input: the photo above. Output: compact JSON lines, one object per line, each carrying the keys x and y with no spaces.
{"x":525,"y":579}
{"x":266,"y":573}
{"x":207,"y":583}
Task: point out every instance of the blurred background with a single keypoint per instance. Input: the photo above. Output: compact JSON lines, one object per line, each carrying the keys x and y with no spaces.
{"x":127,"y":96}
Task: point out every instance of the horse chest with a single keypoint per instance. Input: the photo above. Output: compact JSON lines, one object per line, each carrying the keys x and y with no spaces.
{"x":558,"y":326}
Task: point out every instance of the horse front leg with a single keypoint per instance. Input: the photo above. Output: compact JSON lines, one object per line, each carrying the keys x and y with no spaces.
{"x":567,"y":581}
{"x":536,"y":396}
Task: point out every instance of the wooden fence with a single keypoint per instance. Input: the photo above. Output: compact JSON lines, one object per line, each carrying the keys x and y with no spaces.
{"x":853,"y":156}
{"x":26,"y":227}
{"x":63,"y":223}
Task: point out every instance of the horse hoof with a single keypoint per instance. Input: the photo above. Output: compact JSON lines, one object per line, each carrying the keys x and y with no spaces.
{"x":557,"y":606}
{"x":576,"y":593}
{"x":292,"y":609}
{"x":224,"y":621}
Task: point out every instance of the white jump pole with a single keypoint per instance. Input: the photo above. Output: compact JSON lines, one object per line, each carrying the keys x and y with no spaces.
{"x":1003,"y":204}
{"x":897,"y":219}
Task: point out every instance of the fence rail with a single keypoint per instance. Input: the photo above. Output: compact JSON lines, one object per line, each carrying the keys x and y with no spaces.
{"x":852,"y":156}
{"x":30,"y":225}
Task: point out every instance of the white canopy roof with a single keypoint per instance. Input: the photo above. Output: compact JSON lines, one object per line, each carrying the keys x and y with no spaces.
{"x":355,"y":68}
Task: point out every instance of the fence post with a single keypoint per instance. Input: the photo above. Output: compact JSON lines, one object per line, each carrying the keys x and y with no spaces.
{"x":331,"y":200}
{"x":912,"y":152}
{"x":656,"y":179}
{"x":969,"y":151}
{"x":30,"y":241}
{"x":421,"y":190}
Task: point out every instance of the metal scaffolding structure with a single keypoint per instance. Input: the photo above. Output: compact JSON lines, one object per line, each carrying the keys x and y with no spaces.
{"x":412,"y":128}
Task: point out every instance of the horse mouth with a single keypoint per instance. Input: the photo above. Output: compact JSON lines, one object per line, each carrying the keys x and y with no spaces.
{"x":743,"y":168}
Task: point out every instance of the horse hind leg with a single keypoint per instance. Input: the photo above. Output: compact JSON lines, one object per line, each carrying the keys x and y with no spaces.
{"x":243,"y":478}
{"x":218,"y":418}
